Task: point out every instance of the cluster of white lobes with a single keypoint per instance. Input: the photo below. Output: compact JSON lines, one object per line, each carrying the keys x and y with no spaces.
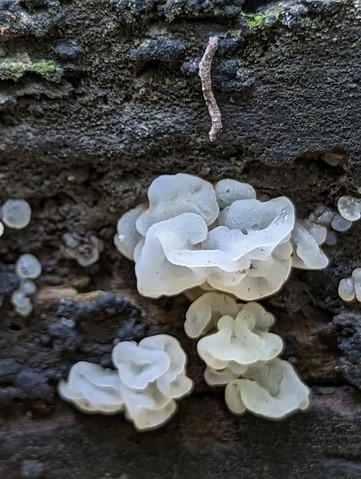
{"x":149,"y":376}
{"x":217,"y":238}
{"x":189,"y":235}
{"x":16,"y":214}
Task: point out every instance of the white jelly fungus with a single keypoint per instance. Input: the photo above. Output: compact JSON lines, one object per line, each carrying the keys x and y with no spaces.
{"x":16,"y":213}
{"x":149,"y":376}
{"x":350,"y":288}
{"x":349,"y":208}
{"x":272,"y":390}
{"x":191,"y":234}
{"x":242,"y":355}
{"x":28,"y":266}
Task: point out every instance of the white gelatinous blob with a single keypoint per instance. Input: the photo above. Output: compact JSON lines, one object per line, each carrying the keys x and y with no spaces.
{"x":138,"y":366}
{"x":356,"y":276}
{"x":349,"y":208}
{"x":147,"y":410}
{"x":331,"y":238}
{"x":28,"y":266}
{"x":150,"y":376}
{"x":322,"y":216}
{"x":70,"y":240}
{"x":92,"y":389}
{"x":204,"y":313}
{"x":244,"y":340}
{"x":1,"y":229}
{"x":28,"y":287}
{"x":176,"y":238}
{"x":127,"y":235}
{"x":317,"y":231}
{"x":272,"y":390}
{"x":307,"y":254}
{"x":340,"y":224}
{"x":21,"y":302}
{"x":172,"y":195}
{"x":262,"y":279}
{"x":264,"y":225}
{"x":16,"y":213}
{"x":220,"y":377}
{"x":228,"y":191}
{"x":346,"y":289}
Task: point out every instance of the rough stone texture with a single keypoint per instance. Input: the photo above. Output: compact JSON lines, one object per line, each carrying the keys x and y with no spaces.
{"x":97,"y":97}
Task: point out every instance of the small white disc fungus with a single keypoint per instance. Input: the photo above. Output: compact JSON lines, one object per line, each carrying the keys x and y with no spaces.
{"x":28,"y":266}
{"x":346,"y":289}
{"x":85,"y":251}
{"x":350,"y":288}
{"x":356,"y":276}
{"x":349,"y":208}
{"x":149,"y":377}
{"x":272,"y":390}
{"x":28,"y":287}
{"x":340,"y":224}
{"x":16,"y":213}
{"x":22,"y":303}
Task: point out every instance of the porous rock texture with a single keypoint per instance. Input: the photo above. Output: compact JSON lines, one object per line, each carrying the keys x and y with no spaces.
{"x":97,"y":97}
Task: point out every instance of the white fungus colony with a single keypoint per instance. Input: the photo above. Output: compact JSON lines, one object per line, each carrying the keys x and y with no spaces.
{"x":242,"y":355}
{"x":16,"y":214}
{"x":27,"y":268}
{"x":85,"y":251}
{"x":222,"y":238}
{"x":219,"y":238}
{"x":149,"y":377}
{"x":350,"y":288}
{"x":193,"y":234}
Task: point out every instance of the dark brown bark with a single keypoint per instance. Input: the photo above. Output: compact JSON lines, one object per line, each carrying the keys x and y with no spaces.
{"x":97,"y":97}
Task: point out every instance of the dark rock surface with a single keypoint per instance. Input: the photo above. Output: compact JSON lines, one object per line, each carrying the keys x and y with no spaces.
{"x":97,"y":97}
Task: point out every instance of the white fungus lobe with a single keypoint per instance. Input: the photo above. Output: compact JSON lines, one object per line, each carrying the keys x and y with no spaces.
{"x":242,"y":355}
{"x":16,"y":213}
{"x":149,"y":376}
{"x":272,"y":390}
{"x":339,"y":223}
{"x":28,"y":266}
{"x":346,"y":289}
{"x":350,"y":288}
{"x":349,"y":208}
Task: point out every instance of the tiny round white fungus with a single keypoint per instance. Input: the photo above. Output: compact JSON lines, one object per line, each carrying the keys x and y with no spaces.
{"x":28,"y":287}
{"x":28,"y":266}
{"x":331,"y":238}
{"x":22,"y":303}
{"x":349,"y":208}
{"x":346,"y":289}
{"x":356,"y":276}
{"x":339,"y":223}
{"x":16,"y":213}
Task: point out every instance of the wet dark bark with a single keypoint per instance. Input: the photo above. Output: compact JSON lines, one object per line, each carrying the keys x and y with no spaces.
{"x":97,"y":97}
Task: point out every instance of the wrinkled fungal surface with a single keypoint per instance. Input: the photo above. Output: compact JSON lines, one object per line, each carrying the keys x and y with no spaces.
{"x":98,"y":98}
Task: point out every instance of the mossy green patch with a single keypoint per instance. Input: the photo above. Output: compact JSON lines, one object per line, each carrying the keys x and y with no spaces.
{"x":13,"y":68}
{"x":261,"y":20}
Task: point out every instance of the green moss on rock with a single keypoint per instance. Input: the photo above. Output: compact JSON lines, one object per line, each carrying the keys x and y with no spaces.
{"x":261,"y":20}
{"x":13,"y":68}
